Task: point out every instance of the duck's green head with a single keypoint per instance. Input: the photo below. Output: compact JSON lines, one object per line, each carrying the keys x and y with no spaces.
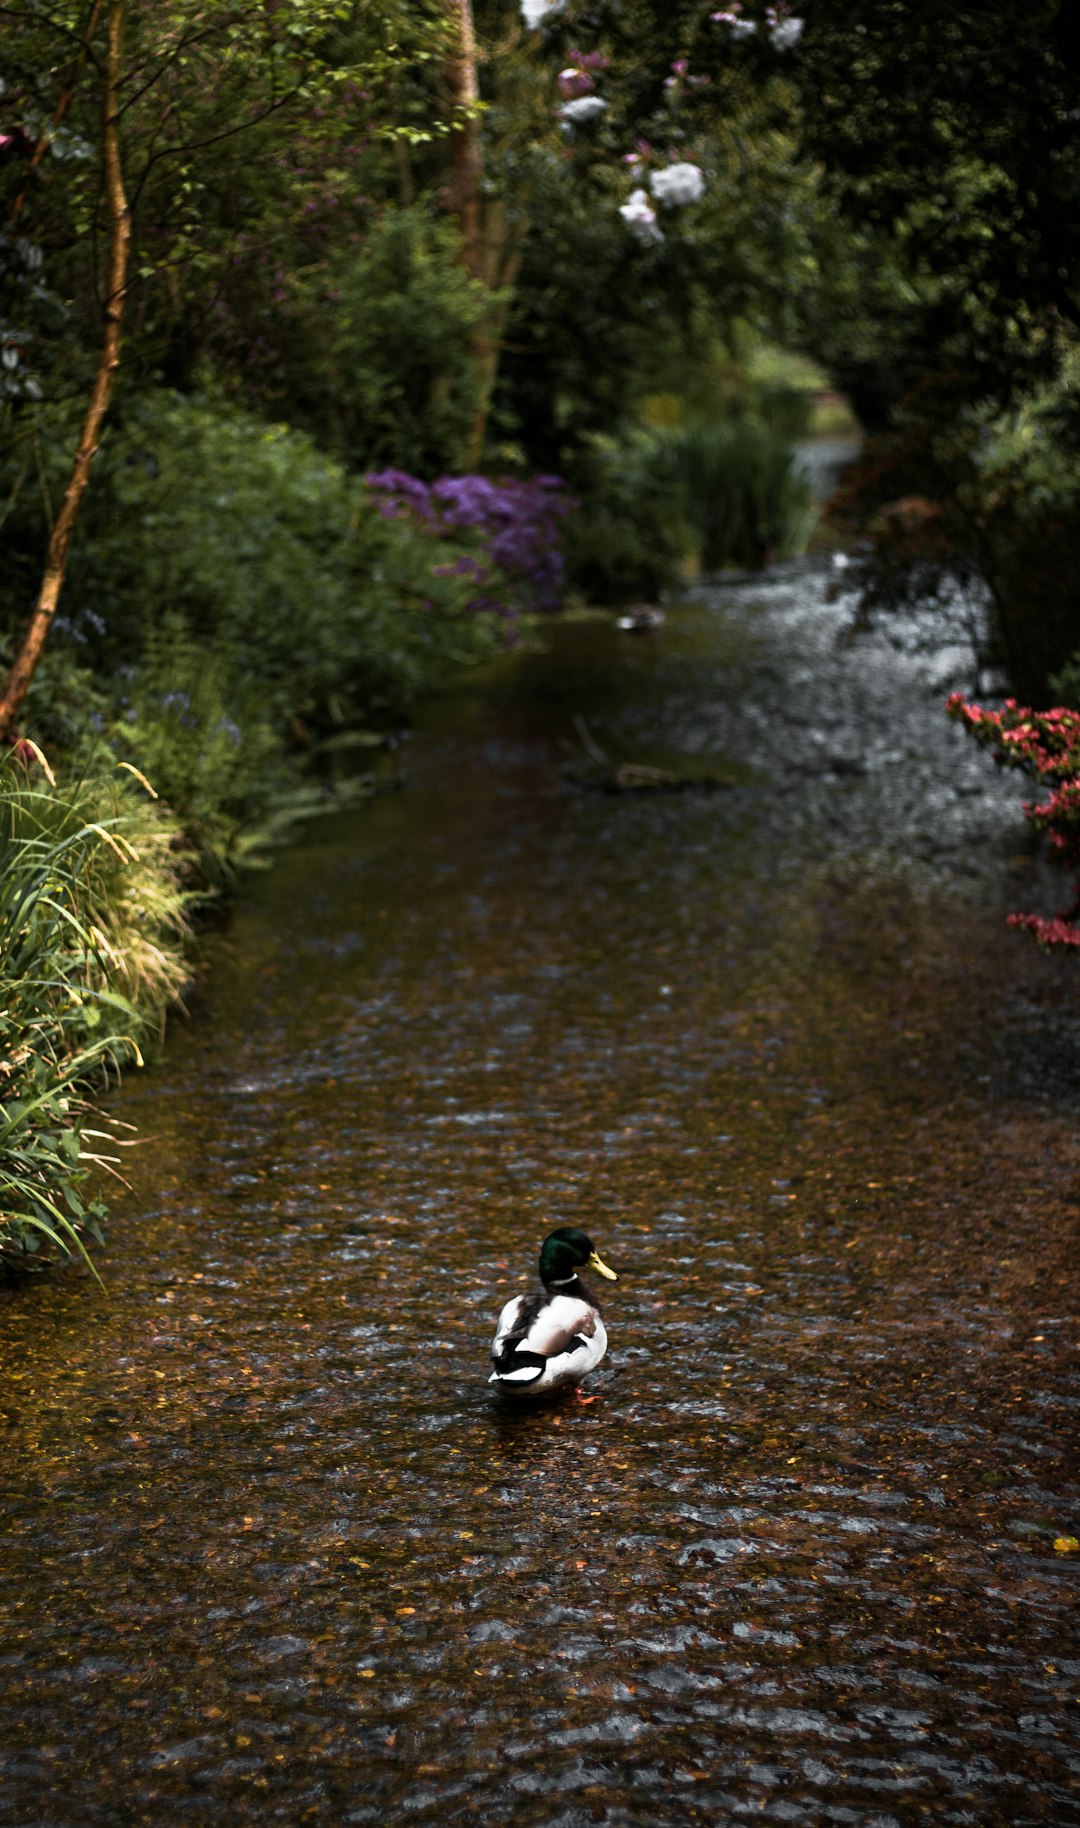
{"x":565,"y":1252}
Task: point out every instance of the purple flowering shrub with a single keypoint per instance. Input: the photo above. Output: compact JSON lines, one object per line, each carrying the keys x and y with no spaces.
{"x":517,"y":562}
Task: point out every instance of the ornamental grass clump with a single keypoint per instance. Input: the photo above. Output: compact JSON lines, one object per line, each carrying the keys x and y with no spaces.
{"x":745,"y":495}
{"x":92,"y":934}
{"x":1046,"y":745}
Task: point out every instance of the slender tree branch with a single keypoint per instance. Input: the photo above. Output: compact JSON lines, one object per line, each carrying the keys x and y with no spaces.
{"x":62,"y":107}
{"x":56,"y":555}
{"x":215,"y":139}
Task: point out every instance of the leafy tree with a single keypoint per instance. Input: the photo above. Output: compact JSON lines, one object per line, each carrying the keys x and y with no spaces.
{"x":118,"y":217}
{"x":947,"y":136}
{"x":193,"y":78}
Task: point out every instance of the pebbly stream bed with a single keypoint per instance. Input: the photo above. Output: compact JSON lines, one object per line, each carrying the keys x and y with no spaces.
{"x":272,"y":1552}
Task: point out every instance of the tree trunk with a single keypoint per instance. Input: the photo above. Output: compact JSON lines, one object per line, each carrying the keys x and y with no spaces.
{"x":462,"y":193}
{"x":22,"y":671}
{"x":490,"y":243}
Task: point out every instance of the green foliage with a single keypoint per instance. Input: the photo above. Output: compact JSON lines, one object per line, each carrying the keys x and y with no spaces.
{"x":233,"y":592}
{"x":241,"y":132}
{"x":1065,"y":685}
{"x":957,"y":494}
{"x":198,"y":728}
{"x":1027,"y":508}
{"x":707,"y":478}
{"x":698,"y":495}
{"x":600,"y":319}
{"x":373,"y":341}
{"x":627,"y":538}
{"x":271,"y":556}
{"x":92,"y":932}
{"x":950,"y":158}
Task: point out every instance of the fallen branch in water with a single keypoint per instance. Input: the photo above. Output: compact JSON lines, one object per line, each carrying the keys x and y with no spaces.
{"x":595,"y":769}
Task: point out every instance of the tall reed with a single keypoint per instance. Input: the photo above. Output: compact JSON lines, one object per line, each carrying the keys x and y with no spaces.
{"x":743,"y":492}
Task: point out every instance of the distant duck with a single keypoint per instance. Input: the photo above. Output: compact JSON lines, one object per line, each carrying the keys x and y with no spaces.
{"x":642,"y":620}
{"x":549,"y":1342}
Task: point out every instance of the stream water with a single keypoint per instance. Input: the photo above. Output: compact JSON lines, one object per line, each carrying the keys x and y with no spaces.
{"x":274,"y":1552}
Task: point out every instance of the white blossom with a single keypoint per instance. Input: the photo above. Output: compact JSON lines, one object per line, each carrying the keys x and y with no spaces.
{"x":742,"y":28}
{"x":786,"y":34}
{"x":678,"y":184}
{"x":585,"y":108}
{"x":535,"y":12}
{"x":640,"y":217}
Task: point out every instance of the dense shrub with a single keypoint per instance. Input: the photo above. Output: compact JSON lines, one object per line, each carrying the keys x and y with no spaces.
{"x":235,"y":593}
{"x":367,"y":345}
{"x":1065,"y":686}
{"x":627,"y":538}
{"x":704,"y":476}
{"x":696,"y":493}
{"x":1027,"y":501}
{"x":262,"y":546}
{"x":200,"y":730}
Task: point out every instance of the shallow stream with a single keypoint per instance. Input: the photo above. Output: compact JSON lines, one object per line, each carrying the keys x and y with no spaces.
{"x":273,"y":1552}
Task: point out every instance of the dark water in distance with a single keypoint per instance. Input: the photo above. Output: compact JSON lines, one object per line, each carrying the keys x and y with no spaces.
{"x":271,"y":1550}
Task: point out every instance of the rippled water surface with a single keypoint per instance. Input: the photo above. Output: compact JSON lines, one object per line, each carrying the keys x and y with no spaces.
{"x":273,"y":1552}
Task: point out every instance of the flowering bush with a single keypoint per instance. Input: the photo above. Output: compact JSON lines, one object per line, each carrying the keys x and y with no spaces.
{"x":584,"y":108}
{"x":640,"y":217}
{"x":575,"y":82}
{"x":520,"y":561}
{"x":784,"y":31}
{"x":1046,"y":744}
{"x":786,"y":34}
{"x":678,"y":184}
{"x":739,"y":28}
{"x":537,"y":12}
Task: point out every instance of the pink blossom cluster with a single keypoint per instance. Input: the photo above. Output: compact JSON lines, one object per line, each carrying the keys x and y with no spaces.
{"x":1046,"y":744}
{"x":784,"y":29}
{"x":579,"y":77}
{"x":680,"y":73}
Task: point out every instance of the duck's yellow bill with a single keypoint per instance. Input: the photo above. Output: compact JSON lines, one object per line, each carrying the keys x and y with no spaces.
{"x":601,"y":1268}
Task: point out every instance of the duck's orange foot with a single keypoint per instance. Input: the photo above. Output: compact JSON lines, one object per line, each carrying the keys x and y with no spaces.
{"x":582,"y":1398}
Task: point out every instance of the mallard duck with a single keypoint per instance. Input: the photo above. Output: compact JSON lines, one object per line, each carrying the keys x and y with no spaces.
{"x":547,"y":1342}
